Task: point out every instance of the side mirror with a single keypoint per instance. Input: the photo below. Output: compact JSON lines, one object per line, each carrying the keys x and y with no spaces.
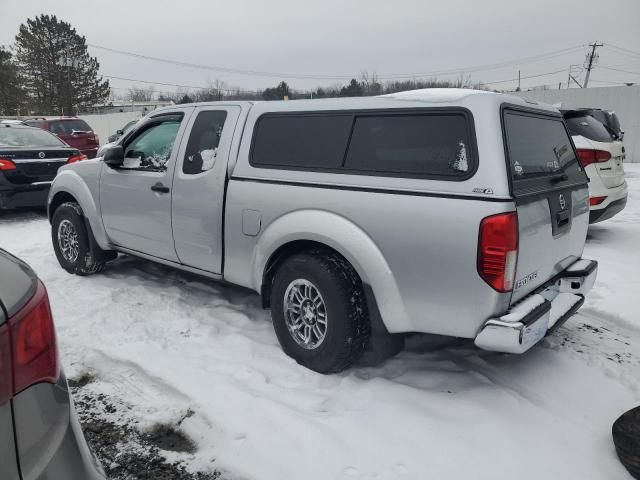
{"x":120,"y":132}
{"x":113,"y":155}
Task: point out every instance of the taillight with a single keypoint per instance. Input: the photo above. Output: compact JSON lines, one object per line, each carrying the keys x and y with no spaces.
{"x":6,"y":164}
{"x":34,"y":350}
{"x":596,"y":200}
{"x":498,"y":250}
{"x":6,"y":376}
{"x":77,"y":158}
{"x":587,"y":156}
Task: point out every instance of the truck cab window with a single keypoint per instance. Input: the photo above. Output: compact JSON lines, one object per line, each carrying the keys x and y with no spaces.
{"x":151,"y":149}
{"x":202,"y":148}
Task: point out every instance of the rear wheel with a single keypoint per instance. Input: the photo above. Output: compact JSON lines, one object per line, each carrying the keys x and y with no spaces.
{"x":319,"y":311}
{"x":72,"y":241}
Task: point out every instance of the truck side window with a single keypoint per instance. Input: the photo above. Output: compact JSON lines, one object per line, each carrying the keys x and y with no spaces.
{"x":151,"y":150}
{"x":202,"y":148}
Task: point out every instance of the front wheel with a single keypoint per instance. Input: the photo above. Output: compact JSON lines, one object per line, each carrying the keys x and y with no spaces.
{"x":71,"y":241}
{"x":319,"y":311}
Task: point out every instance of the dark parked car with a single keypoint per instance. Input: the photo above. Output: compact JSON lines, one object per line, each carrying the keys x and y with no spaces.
{"x":29,"y":160}
{"x":73,"y":131}
{"x":40,"y":436}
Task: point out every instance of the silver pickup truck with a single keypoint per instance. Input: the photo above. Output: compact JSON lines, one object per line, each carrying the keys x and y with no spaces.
{"x":444,"y":211}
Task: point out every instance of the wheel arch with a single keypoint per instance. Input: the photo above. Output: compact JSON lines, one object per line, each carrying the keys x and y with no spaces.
{"x":68,"y":186}
{"x":316,"y":229}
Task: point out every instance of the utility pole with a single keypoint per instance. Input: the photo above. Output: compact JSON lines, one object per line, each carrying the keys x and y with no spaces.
{"x":592,"y":56}
{"x":518,"y":89}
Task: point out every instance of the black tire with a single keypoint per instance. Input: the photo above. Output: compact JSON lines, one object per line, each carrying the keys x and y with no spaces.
{"x":89,"y":260}
{"x":626,"y":438}
{"x":347,"y":328}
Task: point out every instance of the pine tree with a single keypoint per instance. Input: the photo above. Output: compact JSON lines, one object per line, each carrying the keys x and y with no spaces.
{"x":60,"y":76}
{"x":12,"y":96}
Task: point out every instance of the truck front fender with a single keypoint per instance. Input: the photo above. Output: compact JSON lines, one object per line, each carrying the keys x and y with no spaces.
{"x":346,"y":238}
{"x":69,"y":183}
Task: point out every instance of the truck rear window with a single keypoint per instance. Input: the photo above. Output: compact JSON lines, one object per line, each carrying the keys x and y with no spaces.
{"x":402,"y":144}
{"x":539,"y":147}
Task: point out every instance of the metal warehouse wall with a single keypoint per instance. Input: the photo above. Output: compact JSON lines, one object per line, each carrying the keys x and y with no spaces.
{"x":625,"y":101}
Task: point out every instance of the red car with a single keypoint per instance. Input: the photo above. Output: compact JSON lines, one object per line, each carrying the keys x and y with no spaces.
{"x":71,"y":130}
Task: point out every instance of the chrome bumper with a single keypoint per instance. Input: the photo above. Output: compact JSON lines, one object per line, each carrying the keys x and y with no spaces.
{"x":530,"y":320}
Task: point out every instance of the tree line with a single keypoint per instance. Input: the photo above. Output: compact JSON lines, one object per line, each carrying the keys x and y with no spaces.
{"x":366,"y":85}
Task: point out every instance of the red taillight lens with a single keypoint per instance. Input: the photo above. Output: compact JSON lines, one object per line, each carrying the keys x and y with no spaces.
{"x":588,"y":156}
{"x":498,"y":250}
{"x":6,"y":377}
{"x":596,"y":200}
{"x":33,"y":343}
{"x":77,"y":158}
{"x":6,"y":164}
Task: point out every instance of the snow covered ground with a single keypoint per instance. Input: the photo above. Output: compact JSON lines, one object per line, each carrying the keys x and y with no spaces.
{"x":170,"y":348}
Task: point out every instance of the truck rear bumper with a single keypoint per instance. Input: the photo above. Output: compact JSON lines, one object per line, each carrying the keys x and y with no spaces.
{"x":527,"y":322}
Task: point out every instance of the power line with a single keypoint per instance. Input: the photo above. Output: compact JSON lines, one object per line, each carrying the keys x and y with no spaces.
{"x":493,"y":66}
{"x":631,"y":52}
{"x":627,"y":54}
{"x":523,"y":78}
{"x":219,"y":68}
{"x":618,"y":70}
{"x":477,"y":68}
{"x":177,"y":84}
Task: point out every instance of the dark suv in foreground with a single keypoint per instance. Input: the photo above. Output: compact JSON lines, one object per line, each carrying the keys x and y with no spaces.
{"x":73,"y":131}
{"x":40,"y":436}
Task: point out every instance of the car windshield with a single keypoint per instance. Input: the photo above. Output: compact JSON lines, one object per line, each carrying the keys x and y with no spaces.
{"x":28,"y":137}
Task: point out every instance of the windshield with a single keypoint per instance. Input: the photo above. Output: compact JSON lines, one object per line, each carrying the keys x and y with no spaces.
{"x":28,"y":137}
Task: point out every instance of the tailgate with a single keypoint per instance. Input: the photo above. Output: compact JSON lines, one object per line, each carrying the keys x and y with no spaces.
{"x":552,"y":197}
{"x":611,"y":172}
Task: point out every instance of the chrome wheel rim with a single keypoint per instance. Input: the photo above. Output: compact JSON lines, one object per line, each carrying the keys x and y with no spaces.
{"x":305,"y":314}
{"x":68,"y":240}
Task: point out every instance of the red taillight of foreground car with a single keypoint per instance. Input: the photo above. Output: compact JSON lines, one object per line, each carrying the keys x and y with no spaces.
{"x":6,"y":164}
{"x":596,"y":200}
{"x":587,"y":156}
{"x":34,"y":349}
{"x":77,"y":158}
{"x":498,"y":250}
{"x":6,"y":376}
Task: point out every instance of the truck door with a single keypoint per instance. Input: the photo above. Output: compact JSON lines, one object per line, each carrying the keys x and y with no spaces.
{"x":135,"y":198}
{"x":199,"y":187}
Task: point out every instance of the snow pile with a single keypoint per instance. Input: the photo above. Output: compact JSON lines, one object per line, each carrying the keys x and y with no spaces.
{"x":168,"y":344}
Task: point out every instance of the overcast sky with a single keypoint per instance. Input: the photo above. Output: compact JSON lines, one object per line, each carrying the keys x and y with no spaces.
{"x":342,"y":38}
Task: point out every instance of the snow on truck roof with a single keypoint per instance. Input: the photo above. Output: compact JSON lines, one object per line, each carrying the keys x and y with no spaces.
{"x":428,"y":96}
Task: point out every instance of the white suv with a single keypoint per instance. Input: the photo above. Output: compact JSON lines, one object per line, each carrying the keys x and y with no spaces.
{"x":602,"y":157}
